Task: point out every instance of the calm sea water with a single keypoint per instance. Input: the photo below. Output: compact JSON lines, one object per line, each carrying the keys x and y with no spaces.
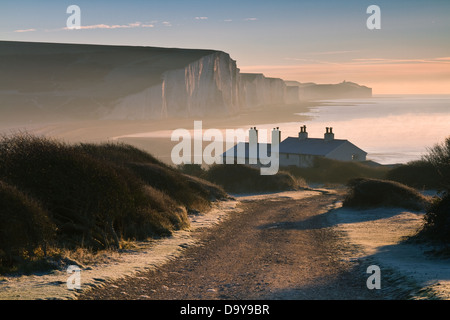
{"x":392,"y":129}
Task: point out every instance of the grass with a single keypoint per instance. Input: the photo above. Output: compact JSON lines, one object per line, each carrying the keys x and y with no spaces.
{"x":431,"y":172}
{"x":25,"y":226}
{"x":237,"y":178}
{"x":369,"y":193}
{"x":437,"y":222}
{"x":419,"y":174}
{"x":336,"y":172}
{"x":93,"y":196}
{"x":197,"y":194}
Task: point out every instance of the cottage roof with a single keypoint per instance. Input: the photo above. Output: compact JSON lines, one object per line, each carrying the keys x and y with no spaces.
{"x":236,"y":148}
{"x":312,"y":146}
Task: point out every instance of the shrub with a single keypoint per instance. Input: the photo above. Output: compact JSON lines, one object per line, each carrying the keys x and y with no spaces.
{"x":333,"y":171}
{"x":241,"y":179}
{"x":439,"y":157}
{"x":419,"y":174}
{"x":25,"y":226}
{"x":368,"y":193}
{"x":195,"y":170}
{"x":437,"y":221}
{"x":197,"y":193}
{"x":93,"y":202}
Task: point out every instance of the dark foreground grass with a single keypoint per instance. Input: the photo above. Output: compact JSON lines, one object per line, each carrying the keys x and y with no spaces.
{"x":436,"y":228}
{"x":91,"y":196}
{"x":371,"y":193}
{"x":192,"y":193}
{"x":333,"y":171}
{"x":236,"y":178}
{"x":418,"y":174}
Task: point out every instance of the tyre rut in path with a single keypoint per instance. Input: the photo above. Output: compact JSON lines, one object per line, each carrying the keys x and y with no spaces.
{"x":273,"y":249}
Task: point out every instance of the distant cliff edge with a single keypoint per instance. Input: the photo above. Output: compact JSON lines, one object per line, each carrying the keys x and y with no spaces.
{"x":48,"y":80}
{"x":343,"y":90}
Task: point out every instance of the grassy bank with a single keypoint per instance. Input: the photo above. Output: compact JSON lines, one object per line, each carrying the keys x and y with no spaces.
{"x":332,"y":171}
{"x":401,"y":189}
{"x":245,"y":179}
{"x":369,"y":193}
{"x":56,"y":195}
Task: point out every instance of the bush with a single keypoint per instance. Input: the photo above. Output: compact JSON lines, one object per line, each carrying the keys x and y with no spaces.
{"x":195,"y":170}
{"x":25,"y":226}
{"x":437,"y":221}
{"x":369,"y":193}
{"x":242,"y":179}
{"x":197,"y":193}
{"x":419,"y":174}
{"x":333,"y":171}
{"x":439,"y":157}
{"x":92,"y":202}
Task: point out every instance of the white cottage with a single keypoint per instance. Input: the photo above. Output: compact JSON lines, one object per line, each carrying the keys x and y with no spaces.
{"x":297,"y":151}
{"x":300,"y":151}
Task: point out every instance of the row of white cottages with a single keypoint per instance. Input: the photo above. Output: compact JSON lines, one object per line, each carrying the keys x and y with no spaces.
{"x":299,"y":151}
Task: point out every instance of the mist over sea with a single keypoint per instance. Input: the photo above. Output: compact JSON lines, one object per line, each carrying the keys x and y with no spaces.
{"x":392,"y":129}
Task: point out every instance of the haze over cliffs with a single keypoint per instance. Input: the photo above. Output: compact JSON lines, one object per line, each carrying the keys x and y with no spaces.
{"x":46,"y":81}
{"x":343,"y":90}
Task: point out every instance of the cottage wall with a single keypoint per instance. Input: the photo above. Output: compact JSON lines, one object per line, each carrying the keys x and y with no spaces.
{"x":347,"y":152}
{"x":298,"y":160}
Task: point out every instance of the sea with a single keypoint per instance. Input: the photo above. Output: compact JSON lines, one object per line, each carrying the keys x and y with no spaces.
{"x":392,"y":129}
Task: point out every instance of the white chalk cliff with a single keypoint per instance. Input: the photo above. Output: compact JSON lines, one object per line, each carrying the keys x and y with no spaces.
{"x":212,"y":85}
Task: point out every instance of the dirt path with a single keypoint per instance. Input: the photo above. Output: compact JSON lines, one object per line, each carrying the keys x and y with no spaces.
{"x":273,"y":249}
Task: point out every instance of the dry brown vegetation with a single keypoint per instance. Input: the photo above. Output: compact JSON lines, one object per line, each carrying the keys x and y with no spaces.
{"x":91,"y":196}
{"x":369,"y":193}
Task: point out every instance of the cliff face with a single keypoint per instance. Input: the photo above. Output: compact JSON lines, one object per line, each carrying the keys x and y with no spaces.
{"x":256,"y":90}
{"x":209,"y":86}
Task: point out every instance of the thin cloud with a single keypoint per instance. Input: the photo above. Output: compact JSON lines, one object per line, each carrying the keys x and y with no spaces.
{"x":25,"y":30}
{"x":399,"y":61}
{"x":310,"y":61}
{"x":114,"y":26}
{"x":333,"y":52}
{"x":250,"y":19}
{"x":201,"y":18}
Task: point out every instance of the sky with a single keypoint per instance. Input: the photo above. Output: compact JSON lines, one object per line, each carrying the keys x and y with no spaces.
{"x":323,"y":41}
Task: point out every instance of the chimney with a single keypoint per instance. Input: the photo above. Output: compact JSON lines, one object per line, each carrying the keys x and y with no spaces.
{"x":303,"y":135}
{"x":276,"y":134}
{"x":253,"y":136}
{"x":329,"y":135}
